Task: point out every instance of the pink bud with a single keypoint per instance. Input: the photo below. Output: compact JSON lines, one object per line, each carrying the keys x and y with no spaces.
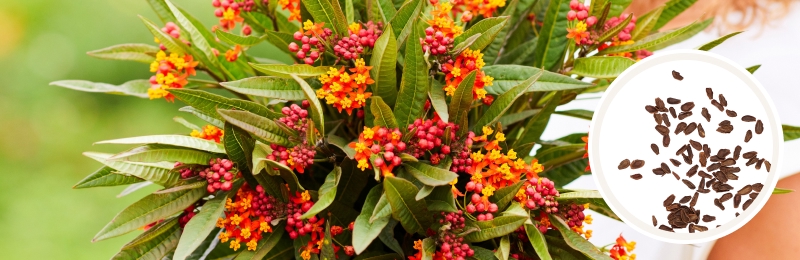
{"x":582,"y":15}
{"x":571,"y":15}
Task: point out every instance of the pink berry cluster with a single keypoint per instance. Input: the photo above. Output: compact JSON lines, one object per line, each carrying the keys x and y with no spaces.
{"x":302,"y":156}
{"x":219,"y":174}
{"x":542,"y":194}
{"x":294,"y":224}
{"x":187,"y":215}
{"x":451,"y":246}
{"x":390,"y":150}
{"x":579,"y":12}
{"x":350,"y":47}
{"x":625,"y":34}
{"x":429,"y":135}
{"x":573,"y":214}
{"x":279,"y":154}
{"x":312,"y":47}
{"x":295,"y":117}
{"x":461,"y":151}
{"x":477,"y":204}
{"x":435,"y":42}
{"x":267,"y":206}
{"x":173,"y":31}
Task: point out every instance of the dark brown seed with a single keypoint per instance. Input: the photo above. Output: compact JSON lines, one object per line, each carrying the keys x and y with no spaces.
{"x":703,"y":159}
{"x":673,"y":206}
{"x":650,"y":109}
{"x":758,"y":164}
{"x":679,"y":128}
{"x":682,"y":149}
{"x":704,"y":191}
{"x":748,"y":136}
{"x":711,"y":183}
{"x":748,"y":118}
{"x":636,"y":176}
{"x":730,"y":113}
{"x":725,"y":129}
{"x":692,"y":171}
{"x":676,"y":176}
{"x":673,"y":101}
{"x":691,"y":228}
{"x":712,"y":167}
{"x":665,"y":141}
{"x":665,"y":118}
{"x":745,"y":190}
{"x":702,"y":184}
{"x":700,"y":228}
{"x":657,"y":117}
{"x":687,"y":106}
{"x":736,"y":200}
{"x":663,"y":130}
{"x":683,"y":115}
{"x":687,"y":159}
{"x":731,"y":176}
{"x":672,"y":112}
{"x":655,"y":222}
{"x":704,"y":175}
{"x":689,"y":184}
{"x":725,"y":197}
{"x":768,"y":165}
{"x":749,"y":155}
{"x":705,"y":114}
{"x":737,"y":214}
{"x":690,"y":128}
{"x":677,"y":75}
{"x":728,"y":162}
{"x":675,"y":162}
{"x":753,"y":195}
{"x":665,"y":228}
{"x":717,"y":105}
{"x":709,"y":93}
{"x":724,"y":187}
{"x":685,"y":199}
{"x":718,"y":204}
{"x":757,"y":187}
{"x":701,"y":131}
{"x":669,"y":200}
{"x":720,"y":176}
{"x":624,"y":164}
{"x":736,"y":152}
{"x":636,"y":164}
{"x":752,"y":161}
{"x":759,"y":127}
{"x":696,"y":145}
{"x":654,"y":147}
{"x":723,"y":101}
{"x":694,"y":199}
{"x":708,"y":218}
{"x":747,"y":204}
{"x":722,"y":153}
{"x":706,"y":149}
{"x":725,"y":122}
{"x":660,"y":105}
{"x":714,"y":158}
{"x":659,"y":171}
{"x":665,"y":167}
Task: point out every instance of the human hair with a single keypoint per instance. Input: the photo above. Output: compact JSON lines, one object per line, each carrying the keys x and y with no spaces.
{"x":730,"y":15}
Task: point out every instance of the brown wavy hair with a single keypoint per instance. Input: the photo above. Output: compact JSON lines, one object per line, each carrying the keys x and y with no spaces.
{"x":730,"y":15}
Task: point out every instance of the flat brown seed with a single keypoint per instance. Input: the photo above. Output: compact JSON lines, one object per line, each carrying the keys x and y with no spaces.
{"x":684,"y":115}
{"x":705,"y":114}
{"x":663,"y":130}
{"x":687,"y":159}
{"x":728,"y":162}
{"x":717,"y":105}
{"x":753,"y":195}
{"x":655,"y":222}
{"x":673,"y":101}
{"x":736,"y":152}
{"x":752,"y":161}
{"x":681,"y":150}
{"x":718,"y":204}
{"x":665,"y":167}
{"x":701,"y":131}
{"x":700,"y":228}
{"x":689,"y":184}
{"x":757,"y":186}
{"x":650,"y":109}
{"x":706,"y":149}
{"x":723,"y":101}
{"x":725,"y":197}
{"x":748,"y":136}
{"x":636,"y":176}
{"x":694,"y":199}
{"x":685,"y":199}
{"x":748,"y":118}
{"x":736,"y":200}
{"x":708,"y":218}
{"x":711,"y":183}
{"x":702,"y":184}
{"x":747,"y":204}
{"x":725,"y":122}
{"x":759,"y":163}
{"x":692,"y":171}
{"x":677,"y":75}
{"x":725,"y":129}
{"x":660,"y":104}
{"x":665,"y":228}
{"x":669,"y":200}
{"x":767,"y":164}
{"x":704,"y":175}
{"x":696,"y":145}
{"x":657,"y":117}
{"x":636,"y":164}
{"x":709,"y":93}
{"x":687,"y":106}
{"x":749,"y":155}
{"x":724,"y":187}
{"x":712,"y":167}
{"x":722,"y":153}
{"x":690,"y":128}
{"x":676,"y":176}
{"x":679,"y":128}
{"x":624,"y":164}
{"x":730,"y":113}
{"x":659,"y":171}
{"x":703,"y":159}
{"x":672,"y":112}
{"x":665,"y":118}
{"x":759,"y":127}
{"x":665,"y":141}
{"x":654,"y":147}
{"x":675,"y":162}
{"x":745,"y":190}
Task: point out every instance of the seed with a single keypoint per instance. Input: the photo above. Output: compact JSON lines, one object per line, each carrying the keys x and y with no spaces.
{"x":663,"y":130}
{"x":675,"y":162}
{"x":725,"y":122}
{"x":689,"y":184}
{"x":665,"y":228}
{"x":624,"y":164}
{"x":705,"y":114}
{"x":665,"y":141}
{"x":694,"y":199}
{"x":721,"y":177}
{"x":758,"y":164}
{"x":753,"y":195}
{"x":687,"y":159}
{"x":708,"y":218}
{"x":711,"y":183}
{"x":717,"y":105}
{"x":702,"y":183}
{"x":690,"y":128}
{"x":703,"y":159}
{"x":712,"y":167}
{"x":704,"y":175}
{"x":669,"y":200}
{"x":654,"y":147}
{"x":659,"y":171}
{"x":706,"y":149}
{"x":736,"y":152}
{"x":749,"y":155}
{"x":724,"y":187}
{"x":696,"y":145}
{"x":722,"y":153}
{"x":725,"y":129}
{"x":683,"y":115}
{"x":759,"y":127}
{"x":728,"y":162}
{"x":723,"y":101}
{"x":636,"y":176}
{"x":650,"y":109}
{"x":636,"y":164}
{"x":672,"y":112}
{"x":731,"y":176}
{"x":660,"y":105}
{"x":679,"y":128}
{"x":725,"y":197}
{"x":748,"y":118}
{"x":752,"y":161}
{"x":655,"y":222}
{"x":677,"y":75}
{"x":757,"y":187}
{"x":687,"y":106}
{"x":736,"y":200}
{"x":718,"y":204}
{"x":701,"y":131}
{"x":767,"y":164}
{"x":747,"y":204}
{"x":748,"y":136}
{"x":665,"y":167}
{"x":657,"y":117}
{"x":685,"y":199}
{"x":692,"y":171}
{"x":673,"y":206}
{"x":700,"y":228}
{"x":673,"y":101}
{"x":676,"y":176}
{"x":665,"y":118}
{"x":730,"y":113}
{"x":681,"y":150}
{"x":709,"y":93}
{"x":745,"y":190}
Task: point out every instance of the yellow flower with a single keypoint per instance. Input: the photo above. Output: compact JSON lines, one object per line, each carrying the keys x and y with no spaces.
{"x":360,"y":63}
{"x":154,"y":66}
{"x":324,"y":79}
{"x":336,"y":87}
{"x":580,"y":26}
{"x":361,"y":99}
{"x":360,"y":79}
{"x":229,"y":14}
{"x":362,"y":164}
{"x":487,"y":80}
{"x":333,"y":72}
{"x":235,"y":244}
{"x":368,"y":133}
{"x":224,"y":236}
{"x":456,"y":72}
{"x":418,"y":244}
{"x":161,"y":55}
{"x":245,"y":232}
{"x":344,"y":77}
{"x":588,"y":219}
{"x":495,"y":154}
{"x":500,"y":137}
{"x":511,"y":154}
{"x":519,"y":164}
{"x":488,"y":191}
{"x":264,"y":227}
{"x":450,"y":89}
{"x":308,"y":25}
{"x":487,"y":130}
{"x":506,"y":171}
{"x":252,"y":245}
{"x":305,"y":196}
{"x":354,"y":27}
{"x":306,"y":254}
{"x":361,"y":147}
{"x":155,"y":93}
{"x":236,"y":219}
{"x":477,"y":157}
{"x":396,"y":136}
{"x":481,"y":93}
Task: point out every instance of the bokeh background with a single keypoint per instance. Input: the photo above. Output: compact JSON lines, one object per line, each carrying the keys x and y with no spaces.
{"x":44,"y":129}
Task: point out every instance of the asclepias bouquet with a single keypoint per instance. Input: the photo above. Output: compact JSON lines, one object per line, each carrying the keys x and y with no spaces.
{"x":402,"y":130}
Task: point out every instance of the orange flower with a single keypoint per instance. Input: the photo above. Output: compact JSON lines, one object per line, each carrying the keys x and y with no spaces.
{"x":232,"y":55}
{"x":240,"y":223}
{"x":496,"y":169}
{"x":371,"y":142}
{"x":442,"y":22}
{"x":346,"y":91}
{"x":294,"y":8}
{"x":209,"y":132}
{"x":622,"y":249}
{"x":464,"y":64}
{"x":482,"y":7}
{"x":170,"y":72}
{"x":578,"y":33}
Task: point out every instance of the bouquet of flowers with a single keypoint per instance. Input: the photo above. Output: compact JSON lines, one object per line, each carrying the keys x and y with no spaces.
{"x":403,"y":130}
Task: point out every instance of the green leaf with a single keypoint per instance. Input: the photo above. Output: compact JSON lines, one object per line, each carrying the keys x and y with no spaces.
{"x":202,"y":115}
{"x":413,"y":84}
{"x":497,"y":227}
{"x":428,"y":248}
{"x":343,"y":145}
{"x":517,"y":117}
{"x":198,"y":228}
{"x":155,"y":243}
{"x":383,"y":113}
{"x":536,"y":125}
{"x":161,"y":10}
{"x":105,"y":177}
{"x":244,"y":41}
{"x":508,"y":76}
{"x":482,"y":253}
{"x":403,"y":22}
{"x":286,"y":71}
{"x":441,"y":199}
{"x":424,"y":192}
{"x":654,"y":41}
{"x":790,"y":132}
{"x":461,"y":101}
{"x":327,"y":252}
{"x":595,"y":200}
{"x":430,"y":175}
{"x":411,"y":213}
{"x":521,"y":54}
{"x":503,"y":196}
{"x":136,"y":88}
{"x":710,"y":45}
{"x":160,"y":153}
{"x":364,"y":231}
{"x":239,"y":145}
{"x":577,"y":113}
{"x":601,"y":67}
{"x":269,"y":87}
{"x":198,"y":40}
{"x":327,"y":192}
{"x":781,"y":191}
{"x":208,"y":103}
{"x":614,"y":31}
{"x":139,"y":52}
{"x":262,"y":128}
{"x":617,"y":6}
{"x":349,"y":11}
{"x":351,"y":183}
{"x":378,"y":256}
{"x":170,"y":43}
{"x":497,"y":46}
{"x":148,"y":210}
{"x":384,"y":62}
{"x":328,"y":12}
{"x":537,"y":241}
{"x":183,"y":185}
{"x":382,"y":209}
{"x":265,"y":245}
{"x":552,"y":36}
{"x":596,"y":8}
{"x":504,"y":249}
{"x":576,"y":241}
{"x":504,"y":102}
{"x":187,"y":124}
{"x":316,"y":107}
{"x":280,"y":40}
{"x":671,"y":10}
{"x":133,"y":187}
{"x":174,"y":140}
{"x":463,"y":45}
{"x":752,"y":69}
{"x":645,"y":23}
{"x":159,"y":173}
{"x":487,"y":28}
{"x":438,"y":101}
{"x":380,"y":11}
{"x":284,"y":251}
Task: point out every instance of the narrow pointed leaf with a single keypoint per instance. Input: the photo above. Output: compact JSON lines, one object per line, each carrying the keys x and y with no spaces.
{"x":509,"y":119}
{"x":209,"y":103}
{"x":672,"y":9}
{"x":753,"y":69}
{"x":503,"y":196}
{"x":790,"y":132}
{"x":364,"y":231}
{"x":203,"y":223}
{"x":327,"y":192}
{"x":382,"y":209}
{"x":104,"y":177}
{"x":159,"y":153}
{"x":380,"y":10}
{"x":349,"y":11}
{"x":438,"y":101}
{"x":492,"y":52}
{"x":264,"y":129}
{"x":384,"y":63}
{"x":614,"y":31}
{"x":536,"y":125}
{"x":136,"y":88}
{"x":280,"y":40}
{"x":387,"y":237}
{"x":383,"y":113}
{"x":441,"y":199}
{"x":403,"y":21}
{"x":430,"y":175}
{"x":198,"y":41}
{"x":618,"y":6}
{"x":414,"y":83}
{"x":537,"y":241}
{"x":552,"y":36}
{"x":139,"y":52}
{"x":161,"y":9}
{"x":133,"y":188}
{"x":324,"y":11}
{"x":508,"y":76}
{"x":659,"y":39}
{"x":496,"y":227}
{"x":461,"y":101}
{"x":781,"y":191}
{"x":504,"y":249}
{"x":174,"y":140}
{"x":576,"y":241}
{"x":239,"y":145}
{"x":202,"y":115}
{"x":163,"y":38}
{"x":266,"y":245}
{"x":710,"y":45}
{"x":577,"y":113}
{"x":316,"y":107}
{"x":286,"y":71}
{"x":351,"y":183}
{"x":646,"y":23}
{"x":154,"y":243}
{"x":233,"y":39}
{"x":269,"y":87}
{"x":187,"y":124}
{"x":601,"y":67}
{"x":159,"y":173}
{"x":488,"y":28}
{"x":424,"y":192}
{"x":412,"y":214}
{"x":504,"y":102}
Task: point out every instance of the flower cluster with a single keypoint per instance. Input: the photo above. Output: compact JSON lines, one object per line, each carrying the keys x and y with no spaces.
{"x":299,"y":204}
{"x":586,"y":155}
{"x":312,"y":37}
{"x":172,"y":30}
{"x":486,"y":8}
{"x":494,"y":169}
{"x":294,"y":8}
{"x":575,"y":218}
{"x":539,"y":193}
{"x":442,"y":30}
{"x":296,"y":117}
{"x":465,"y":63}
{"x":228,"y":12}
{"x":579,"y":22}
{"x":350,"y":47}
{"x":461,"y":154}
{"x":621,"y":250}
{"x":233,"y":54}
{"x":479,"y":204}
{"x":171,"y":71}
{"x":209,"y":132}
{"x":219,"y":174}
{"x":241,"y":224}
{"x":382,"y":142}
{"x":451,"y":246}
{"x":624,"y":37}
{"x":428,"y":138}
{"x":346,"y":91}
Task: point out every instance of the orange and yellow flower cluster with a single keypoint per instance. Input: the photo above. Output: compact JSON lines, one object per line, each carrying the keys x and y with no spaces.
{"x":443,"y":22}
{"x":240,"y":224}
{"x":465,"y":63}
{"x":622,"y":249}
{"x":171,"y":71}
{"x":294,"y":8}
{"x":228,"y":12}
{"x":382,"y":142}
{"x":346,"y":91}
{"x":486,"y":8}
{"x":495,"y":169}
{"x":209,"y":132}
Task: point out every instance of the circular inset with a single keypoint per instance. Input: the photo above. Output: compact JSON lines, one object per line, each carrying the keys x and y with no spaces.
{"x":682,"y":114}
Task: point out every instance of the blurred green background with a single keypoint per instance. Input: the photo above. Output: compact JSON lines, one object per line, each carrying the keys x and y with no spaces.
{"x":45,"y":129}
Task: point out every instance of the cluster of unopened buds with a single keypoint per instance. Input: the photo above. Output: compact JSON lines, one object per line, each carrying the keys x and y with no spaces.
{"x":541,"y":193}
{"x":625,"y":34}
{"x":428,"y":136}
{"x":267,"y":206}
{"x":436,"y":43}
{"x":580,"y":21}
{"x":298,"y":158}
{"x":461,"y":156}
{"x":384,"y":143}
{"x":296,"y":117}
{"x":228,"y":12}
{"x":312,"y":39}
{"x":297,"y":206}
{"x":575,"y":217}
{"x":172,"y":30}
{"x":171,"y":71}
{"x":361,"y":37}
{"x":480,"y":205}
{"x":219,"y":174}
{"x":451,"y":246}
